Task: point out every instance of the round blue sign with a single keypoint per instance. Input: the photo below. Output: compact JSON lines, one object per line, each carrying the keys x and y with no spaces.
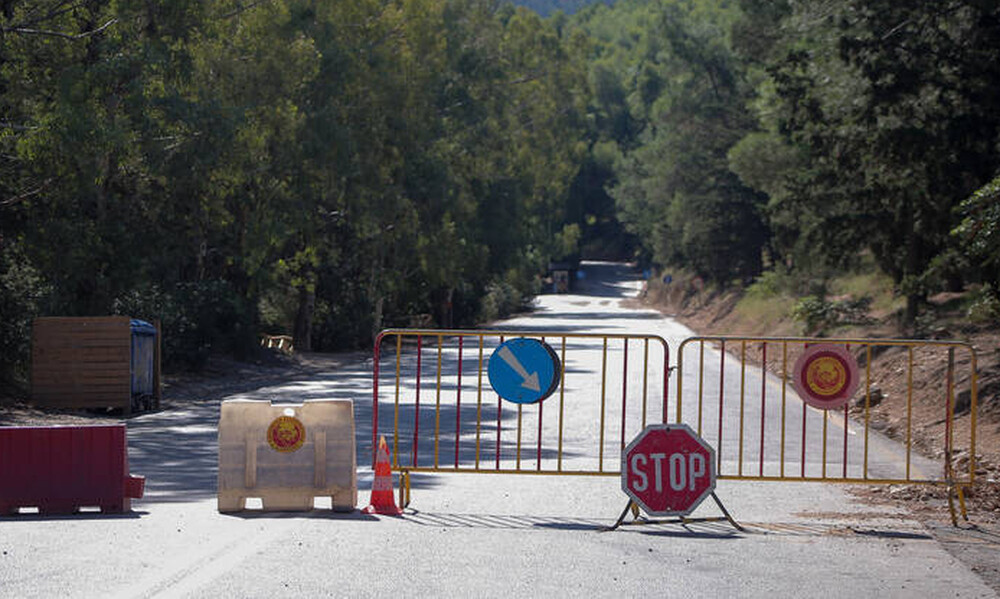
{"x":524,"y":370}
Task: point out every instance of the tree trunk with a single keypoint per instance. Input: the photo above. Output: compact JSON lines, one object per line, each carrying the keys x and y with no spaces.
{"x":302,"y":334}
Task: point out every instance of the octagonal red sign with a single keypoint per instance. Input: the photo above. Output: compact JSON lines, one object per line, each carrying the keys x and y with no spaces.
{"x":668,"y":470}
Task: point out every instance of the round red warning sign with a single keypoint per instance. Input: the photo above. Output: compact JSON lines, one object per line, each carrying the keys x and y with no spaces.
{"x":286,"y":434}
{"x":826,"y":376}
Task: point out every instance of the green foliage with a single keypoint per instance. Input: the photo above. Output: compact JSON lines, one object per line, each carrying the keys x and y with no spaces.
{"x":22,"y":295}
{"x":979,"y":230}
{"x":501,"y":300}
{"x":985,"y":308}
{"x":196,"y":319}
{"x":886,"y":108}
{"x":670,"y":92}
{"x":771,"y":284}
{"x":819,"y":315}
{"x":223,"y":166}
{"x":333,"y":168}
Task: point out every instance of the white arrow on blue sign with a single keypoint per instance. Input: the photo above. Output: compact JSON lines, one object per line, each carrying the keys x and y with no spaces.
{"x":524,"y":370}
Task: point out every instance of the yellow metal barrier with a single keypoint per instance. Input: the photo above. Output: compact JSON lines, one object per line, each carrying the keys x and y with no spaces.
{"x":734,"y":408}
{"x":445,"y":417}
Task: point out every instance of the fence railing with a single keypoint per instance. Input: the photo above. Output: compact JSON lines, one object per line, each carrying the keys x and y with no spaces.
{"x":849,"y":444}
{"x":436,"y":404}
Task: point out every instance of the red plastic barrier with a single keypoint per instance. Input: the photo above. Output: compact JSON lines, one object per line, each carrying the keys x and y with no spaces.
{"x":60,"y":469}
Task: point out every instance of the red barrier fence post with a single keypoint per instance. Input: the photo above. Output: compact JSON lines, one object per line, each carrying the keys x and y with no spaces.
{"x":60,"y":469}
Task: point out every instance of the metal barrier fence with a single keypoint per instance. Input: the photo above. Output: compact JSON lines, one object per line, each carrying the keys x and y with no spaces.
{"x":445,"y":417}
{"x":735,"y":392}
{"x":844,"y":445}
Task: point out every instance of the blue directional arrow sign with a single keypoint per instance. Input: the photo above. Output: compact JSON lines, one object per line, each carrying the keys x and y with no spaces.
{"x":524,"y":370}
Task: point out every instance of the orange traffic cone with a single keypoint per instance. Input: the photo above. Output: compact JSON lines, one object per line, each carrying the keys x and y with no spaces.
{"x":382,"y":500}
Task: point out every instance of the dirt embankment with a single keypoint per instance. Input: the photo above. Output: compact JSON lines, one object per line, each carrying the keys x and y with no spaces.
{"x":907,"y":393}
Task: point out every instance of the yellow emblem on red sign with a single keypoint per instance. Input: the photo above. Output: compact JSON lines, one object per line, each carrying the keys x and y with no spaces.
{"x":826,"y":376}
{"x":286,"y":434}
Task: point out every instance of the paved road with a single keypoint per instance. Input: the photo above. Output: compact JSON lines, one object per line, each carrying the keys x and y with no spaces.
{"x":482,"y":534}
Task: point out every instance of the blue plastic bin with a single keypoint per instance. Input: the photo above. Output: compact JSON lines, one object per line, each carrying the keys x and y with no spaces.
{"x":143,"y":364}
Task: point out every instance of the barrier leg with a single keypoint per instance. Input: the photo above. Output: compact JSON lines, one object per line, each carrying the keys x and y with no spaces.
{"x":621,"y":519}
{"x":636,"y":520}
{"x":231,"y":502}
{"x":344,"y":502}
{"x":725,"y":512}
{"x":404,"y":489}
{"x":961,"y":503}
{"x":953,"y":491}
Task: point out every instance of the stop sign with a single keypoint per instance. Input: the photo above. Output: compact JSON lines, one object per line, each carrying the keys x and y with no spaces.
{"x":668,"y":470}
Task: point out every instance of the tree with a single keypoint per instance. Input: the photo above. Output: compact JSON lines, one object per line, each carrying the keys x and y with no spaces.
{"x":675,"y":190}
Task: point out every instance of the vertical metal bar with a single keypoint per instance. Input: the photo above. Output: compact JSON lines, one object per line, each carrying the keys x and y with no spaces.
{"x":458,"y":399}
{"x":645,"y":378}
{"x":973,"y":407}
{"x":416,"y":412}
{"x":805,"y":409}
{"x":624,"y":389}
{"x":784,"y":372}
{"x":395,"y":421}
{"x":437,"y":402}
{"x":743,"y":385}
{"x":909,"y":412}
{"x":868,"y":400}
{"x":763,"y":403}
{"x":680,"y":370}
{"x":375,"y":374}
{"x":949,"y":417}
{"x":479,"y":401}
{"x":538,"y":453}
{"x":499,"y":421}
{"x":846,"y":416}
{"x":604,"y":380}
{"x":517,"y":459}
{"x":666,"y":384}
{"x":541,"y":412}
{"x":722,"y":387}
{"x":701,"y":382}
{"x":826,"y":421}
{"x":562,"y":401}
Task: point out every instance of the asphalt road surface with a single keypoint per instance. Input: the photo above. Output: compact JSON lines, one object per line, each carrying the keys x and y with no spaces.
{"x":492,"y":534}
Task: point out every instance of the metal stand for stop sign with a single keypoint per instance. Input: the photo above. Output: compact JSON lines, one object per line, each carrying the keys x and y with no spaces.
{"x":638,"y":520}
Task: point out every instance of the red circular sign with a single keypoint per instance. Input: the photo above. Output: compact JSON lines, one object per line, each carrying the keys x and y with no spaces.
{"x":826,"y":376}
{"x":668,"y":470}
{"x":286,"y":434}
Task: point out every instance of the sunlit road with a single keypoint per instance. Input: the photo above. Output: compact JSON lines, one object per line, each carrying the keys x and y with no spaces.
{"x":478,"y":534}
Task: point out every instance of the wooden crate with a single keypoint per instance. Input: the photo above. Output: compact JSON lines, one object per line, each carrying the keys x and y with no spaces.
{"x":84,"y":362}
